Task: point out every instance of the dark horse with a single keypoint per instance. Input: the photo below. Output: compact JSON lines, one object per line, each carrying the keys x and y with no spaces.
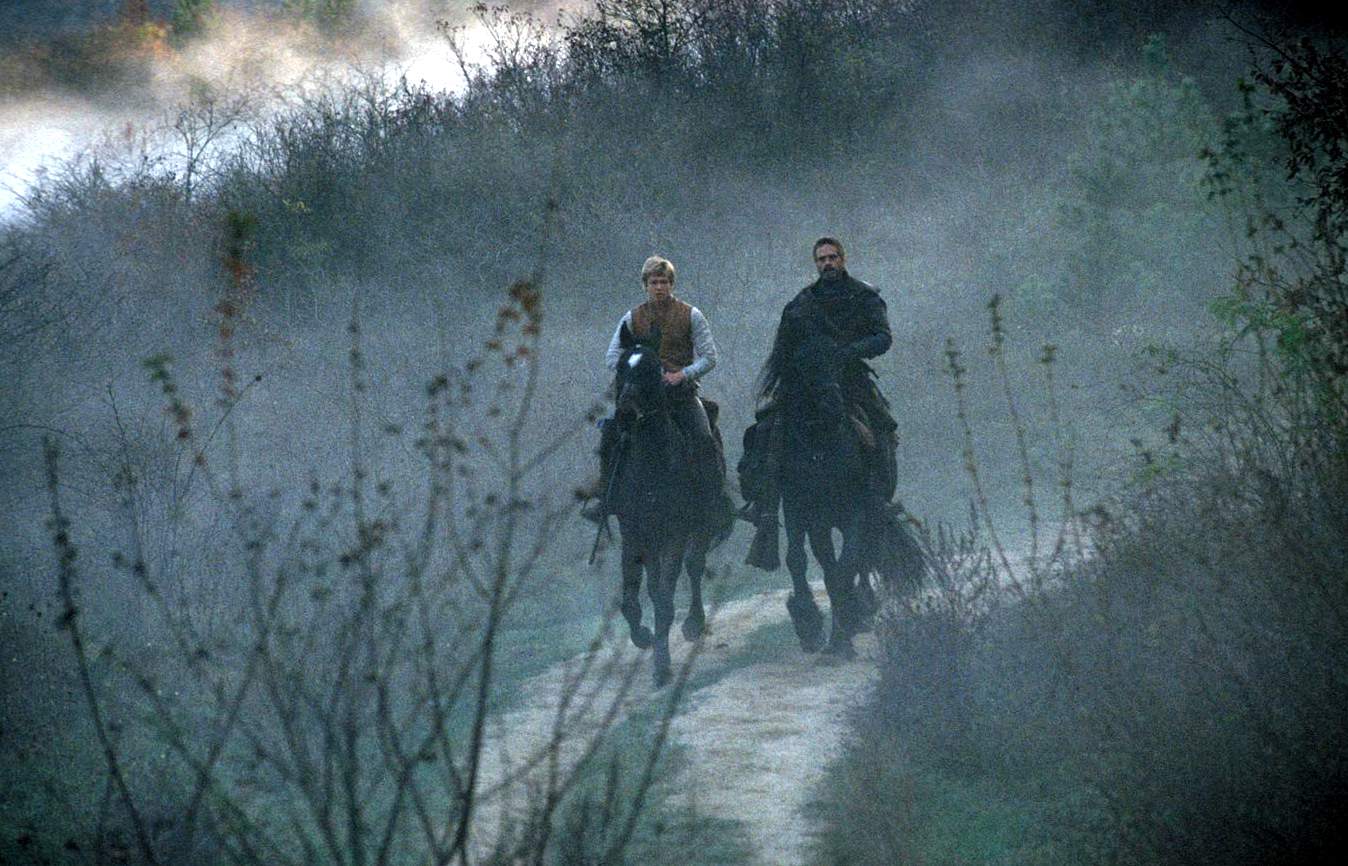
{"x":662,"y":500}
{"x":828,"y":480}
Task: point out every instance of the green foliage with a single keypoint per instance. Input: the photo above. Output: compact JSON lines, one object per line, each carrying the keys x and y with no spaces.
{"x":1292,"y":287}
{"x":1158,"y":691}
{"x":191,"y":17}
{"x":1291,"y":329}
{"x":1159,"y":697}
{"x":1308,"y":79}
{"x":328,"y":15}
{"x":1132,"y":212}
{"x":887,"y":806}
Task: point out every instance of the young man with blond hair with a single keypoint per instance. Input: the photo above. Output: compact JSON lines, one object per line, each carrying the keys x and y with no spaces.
{"x":687,"y":353}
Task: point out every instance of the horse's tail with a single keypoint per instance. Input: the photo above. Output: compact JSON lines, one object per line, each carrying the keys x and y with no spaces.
{"x":721,"y":520}
{"x":897,"y":557}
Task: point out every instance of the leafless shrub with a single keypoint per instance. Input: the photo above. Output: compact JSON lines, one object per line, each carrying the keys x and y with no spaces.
{"x":340,"y":713}
{"x":1165,"y":683}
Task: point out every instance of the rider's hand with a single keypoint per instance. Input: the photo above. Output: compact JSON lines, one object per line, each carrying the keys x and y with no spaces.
{"x":675,"y":378}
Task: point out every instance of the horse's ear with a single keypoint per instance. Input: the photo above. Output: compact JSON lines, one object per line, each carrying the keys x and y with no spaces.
{"x":625,"y":338}
{"x":654,"y":339}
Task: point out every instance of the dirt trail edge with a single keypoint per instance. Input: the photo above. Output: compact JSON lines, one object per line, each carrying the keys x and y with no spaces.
{"x":757,"y":735}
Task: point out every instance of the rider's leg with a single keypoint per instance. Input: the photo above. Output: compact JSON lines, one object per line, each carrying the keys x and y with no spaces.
{"x":597,"y":508}
{"x":691,"y":416}
{"x":883,"y":478}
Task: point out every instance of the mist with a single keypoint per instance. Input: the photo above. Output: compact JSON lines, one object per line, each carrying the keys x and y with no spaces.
{"x":76,"y":85}
{"x":250,"y":267}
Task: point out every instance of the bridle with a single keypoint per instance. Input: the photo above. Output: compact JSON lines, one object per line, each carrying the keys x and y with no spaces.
{"x":637,"y":408}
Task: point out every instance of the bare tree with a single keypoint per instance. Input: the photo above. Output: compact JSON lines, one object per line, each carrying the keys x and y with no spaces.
{"x":200,"y":126}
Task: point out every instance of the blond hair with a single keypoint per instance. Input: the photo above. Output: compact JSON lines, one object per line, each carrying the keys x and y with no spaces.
{"x":658,"y":266}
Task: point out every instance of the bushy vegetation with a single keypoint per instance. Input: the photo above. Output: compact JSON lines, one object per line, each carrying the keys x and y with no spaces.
{"x":729,"y":132}
{"x":1167,"y":683}
{"x":957,"y":147}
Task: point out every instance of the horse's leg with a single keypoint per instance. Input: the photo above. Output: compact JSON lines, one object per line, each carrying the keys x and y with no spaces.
{"x":867,"y":605}
{"x":805,"y":615}
{"x":855,"y":568}
{"x":661,"y":576}
{"x":695,"y":624}
{"x":839,"y":589}
{"x":631,"y":603}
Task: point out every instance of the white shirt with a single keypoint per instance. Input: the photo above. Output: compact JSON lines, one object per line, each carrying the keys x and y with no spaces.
{"x":704,"y":347}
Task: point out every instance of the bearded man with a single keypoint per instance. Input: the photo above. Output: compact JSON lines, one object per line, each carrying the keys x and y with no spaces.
{"x":853,"y":319}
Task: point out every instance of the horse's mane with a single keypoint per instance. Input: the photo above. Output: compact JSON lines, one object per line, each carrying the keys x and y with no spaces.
{"x":678,"y":446}
{"x":770,"y":378}
{"x":800,"y":322}
{"x":632,"y":344}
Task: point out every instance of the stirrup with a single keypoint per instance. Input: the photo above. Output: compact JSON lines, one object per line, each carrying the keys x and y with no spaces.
{"x":595,"y":512}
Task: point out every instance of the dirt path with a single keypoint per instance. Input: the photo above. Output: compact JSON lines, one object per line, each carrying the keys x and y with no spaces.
{"x":756,"y":737}
{"x":759,"y":739}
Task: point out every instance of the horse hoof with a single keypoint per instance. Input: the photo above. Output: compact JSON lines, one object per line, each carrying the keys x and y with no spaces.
{"x":807,"y":621}
{"x":841,"y":649}
{"x":694,"y":628}
{"x":642,"y":637}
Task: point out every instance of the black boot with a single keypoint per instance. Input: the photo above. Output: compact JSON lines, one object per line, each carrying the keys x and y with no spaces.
{"x":764,"y":551}
{"x":596,"y":510}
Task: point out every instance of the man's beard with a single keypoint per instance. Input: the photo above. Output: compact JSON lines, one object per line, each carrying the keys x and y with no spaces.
{"x":830,"y":274}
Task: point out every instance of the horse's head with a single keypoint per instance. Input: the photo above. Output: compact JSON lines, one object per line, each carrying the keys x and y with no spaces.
{"x":639,"y":386}
{"x":821,"y":465}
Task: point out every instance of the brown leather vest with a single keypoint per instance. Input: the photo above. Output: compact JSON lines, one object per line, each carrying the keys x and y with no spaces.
{"x":675,"y":320}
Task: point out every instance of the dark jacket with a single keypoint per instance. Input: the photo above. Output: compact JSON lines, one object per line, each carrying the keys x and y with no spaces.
{"x":850,"y":313}
{"x":852,"y":318}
